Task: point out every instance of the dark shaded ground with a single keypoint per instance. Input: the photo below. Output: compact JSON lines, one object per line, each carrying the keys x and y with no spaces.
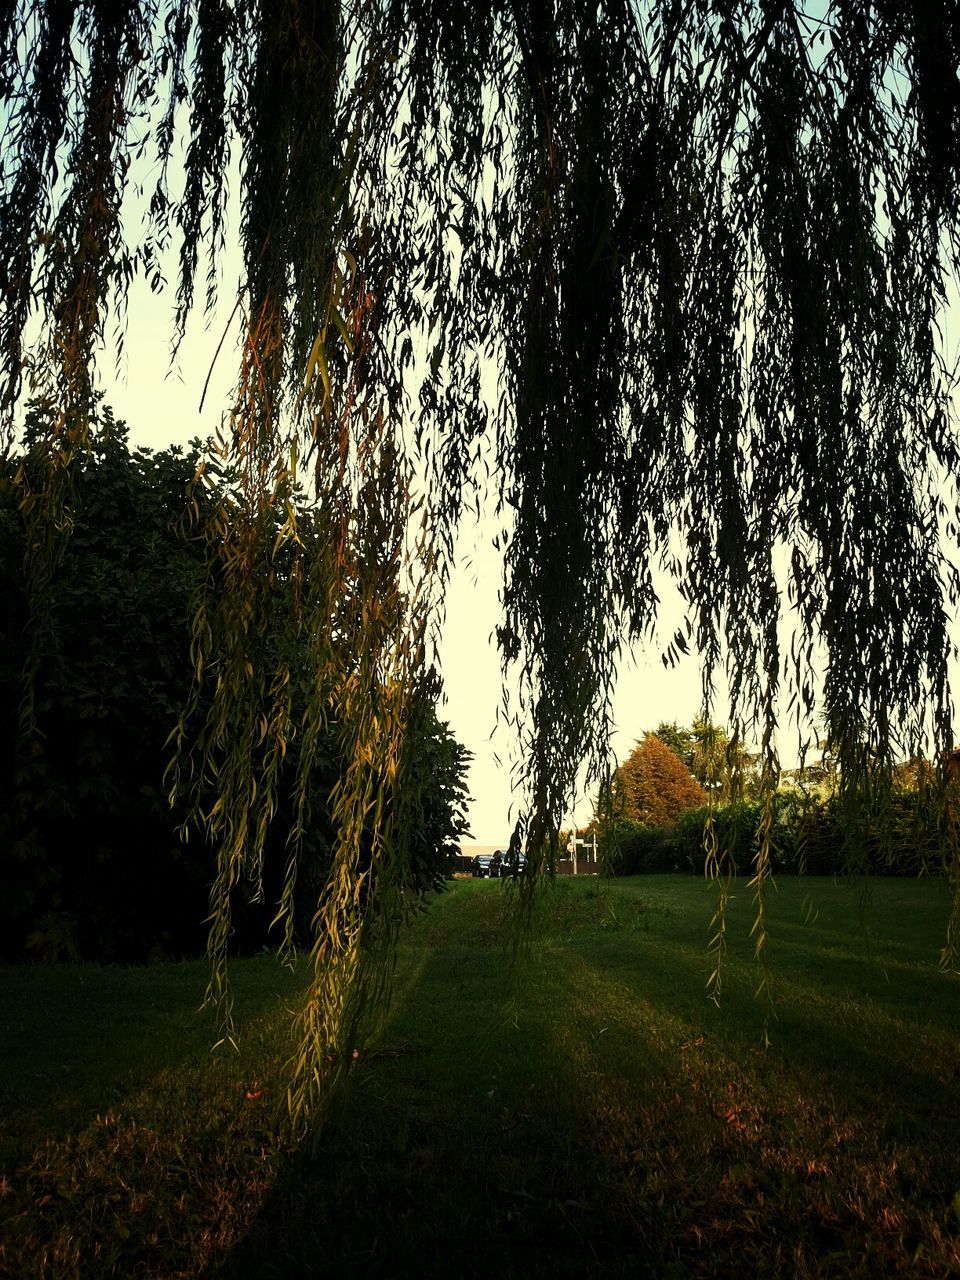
{"x":592,"y":1114}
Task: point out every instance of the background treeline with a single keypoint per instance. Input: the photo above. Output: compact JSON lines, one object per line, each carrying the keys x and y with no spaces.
{"x":95,"y":864}
{"x":655,"y":816}
{"x":809,"y":837}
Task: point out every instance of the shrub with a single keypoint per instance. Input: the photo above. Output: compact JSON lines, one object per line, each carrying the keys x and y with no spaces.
{"x":809,"y":837}
{"x":637,"y":849}
{"x":735,"y":827}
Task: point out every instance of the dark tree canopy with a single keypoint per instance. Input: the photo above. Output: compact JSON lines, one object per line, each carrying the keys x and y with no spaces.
{"x":675,"y":273}
{"x":95,"y":868}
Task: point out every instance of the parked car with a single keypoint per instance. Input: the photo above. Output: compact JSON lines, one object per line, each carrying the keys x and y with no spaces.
{"x":508,"y":866}
{"x":497,"y":865}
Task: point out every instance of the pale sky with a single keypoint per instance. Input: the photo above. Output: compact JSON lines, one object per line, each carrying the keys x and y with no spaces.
{"x":647,"y":693}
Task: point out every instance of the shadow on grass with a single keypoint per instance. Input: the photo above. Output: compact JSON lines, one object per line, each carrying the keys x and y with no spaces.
{"x":454,"y":1158}
{"x":597,"y":1117}
{"x":609,"y":1121}
{"x":77,"y":1040}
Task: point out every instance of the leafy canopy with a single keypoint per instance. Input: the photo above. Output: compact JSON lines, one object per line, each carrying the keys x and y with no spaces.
{"x":653,"y":786}
{"x":674,"y":273}
{"x":720,"y":763}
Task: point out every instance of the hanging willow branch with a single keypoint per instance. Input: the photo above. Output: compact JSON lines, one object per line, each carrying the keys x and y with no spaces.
{"x":674,"y":273}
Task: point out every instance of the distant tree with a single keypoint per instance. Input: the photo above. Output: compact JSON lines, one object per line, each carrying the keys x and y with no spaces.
{"x":823,"y":777}
{"x":680,"y":739}
{"x":719,"y":764}
{"x":819,"y":776}
{"x":653,"y":786}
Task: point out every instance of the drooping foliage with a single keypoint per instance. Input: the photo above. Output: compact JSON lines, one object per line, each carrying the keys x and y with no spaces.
{"x":673,"y":274}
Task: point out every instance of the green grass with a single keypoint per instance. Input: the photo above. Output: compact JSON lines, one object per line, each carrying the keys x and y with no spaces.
{"x":588,"y":1113}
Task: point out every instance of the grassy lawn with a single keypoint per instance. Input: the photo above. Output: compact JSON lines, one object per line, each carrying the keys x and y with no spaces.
{"x":589,"y":1113}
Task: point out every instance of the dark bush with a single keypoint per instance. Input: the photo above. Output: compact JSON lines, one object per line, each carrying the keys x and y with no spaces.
{"x":735,"y":828}
{"x":636,"y":849}
{"x":94,"y":864}
{"x":810,"y":838}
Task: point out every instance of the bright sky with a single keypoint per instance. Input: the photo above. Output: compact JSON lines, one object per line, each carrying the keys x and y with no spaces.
{"x":647,"y":693}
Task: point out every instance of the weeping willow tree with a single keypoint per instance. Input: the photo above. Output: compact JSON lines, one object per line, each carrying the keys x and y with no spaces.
{"x":673,"y":272}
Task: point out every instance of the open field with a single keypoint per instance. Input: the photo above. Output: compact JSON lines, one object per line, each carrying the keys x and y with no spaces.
{"x":590,"y":1114}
